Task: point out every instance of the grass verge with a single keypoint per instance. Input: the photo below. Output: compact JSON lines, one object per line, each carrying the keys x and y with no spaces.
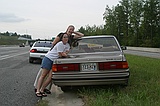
{"x":10,"y":40}
{"x":143,"y":88}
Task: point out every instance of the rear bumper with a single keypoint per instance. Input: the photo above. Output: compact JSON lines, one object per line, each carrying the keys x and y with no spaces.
{"x":91,"y":78}
{"x":37,"y":55}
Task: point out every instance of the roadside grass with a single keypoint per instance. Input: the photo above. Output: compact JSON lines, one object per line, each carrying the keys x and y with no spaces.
{"x":143,"y":88}
{"x":10,"y":40}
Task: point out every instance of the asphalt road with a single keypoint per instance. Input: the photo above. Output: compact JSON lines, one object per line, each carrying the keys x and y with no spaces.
{"x":17,"y":77}
{"x":151,"y":54}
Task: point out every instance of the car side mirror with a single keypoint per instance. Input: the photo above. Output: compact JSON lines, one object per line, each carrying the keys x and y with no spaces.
{"x":75,"y":44}
{"x":123,"y":47}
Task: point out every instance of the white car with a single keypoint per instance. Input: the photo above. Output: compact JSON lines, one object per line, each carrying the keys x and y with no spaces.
{"x":39,"y":49}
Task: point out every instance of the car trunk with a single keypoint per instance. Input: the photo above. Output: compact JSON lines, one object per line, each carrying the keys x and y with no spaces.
{"x":96,"y":57}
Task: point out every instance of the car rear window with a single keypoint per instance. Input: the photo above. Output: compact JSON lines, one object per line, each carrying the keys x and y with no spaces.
{"x":101,"y":44}
{"x":43,"y":44}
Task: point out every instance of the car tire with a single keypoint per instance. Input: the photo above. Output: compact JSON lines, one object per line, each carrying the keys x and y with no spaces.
{"x":31,"y":60}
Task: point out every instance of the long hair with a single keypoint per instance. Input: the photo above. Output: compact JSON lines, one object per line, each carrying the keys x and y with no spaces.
{"x":69,"y":27}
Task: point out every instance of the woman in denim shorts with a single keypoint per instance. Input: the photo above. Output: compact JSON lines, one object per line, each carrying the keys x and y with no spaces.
{"x":61,"y":49}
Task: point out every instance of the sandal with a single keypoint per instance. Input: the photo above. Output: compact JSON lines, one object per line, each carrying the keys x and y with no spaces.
{"x":47,"y":91}
{"x":39,"y":94}
{"x":43,"y":94}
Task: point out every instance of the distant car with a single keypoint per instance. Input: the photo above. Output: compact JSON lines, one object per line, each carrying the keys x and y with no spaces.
{"x":39,"y":49}
{"x":94,"y":60}
{"x":31,"y":44}
{"x":21,"y":45}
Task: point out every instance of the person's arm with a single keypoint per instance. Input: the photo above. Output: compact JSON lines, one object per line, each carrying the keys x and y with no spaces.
{"x":78,"y":34}
{"x":57,"y":39}
{"x":67,"y":51}
{"x":62,"y":54}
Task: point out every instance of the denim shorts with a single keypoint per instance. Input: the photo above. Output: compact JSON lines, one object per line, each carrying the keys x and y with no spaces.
{"x":47,"y":63}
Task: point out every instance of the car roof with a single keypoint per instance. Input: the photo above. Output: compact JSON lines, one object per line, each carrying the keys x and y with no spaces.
{"x":44,"y":41}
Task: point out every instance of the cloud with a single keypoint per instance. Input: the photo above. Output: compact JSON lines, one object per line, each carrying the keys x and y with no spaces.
{"x":11,"y":18}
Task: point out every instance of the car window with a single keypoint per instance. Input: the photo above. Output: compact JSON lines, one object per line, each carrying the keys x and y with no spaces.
{"x":101,"y":44}
{"x":43,"y":44}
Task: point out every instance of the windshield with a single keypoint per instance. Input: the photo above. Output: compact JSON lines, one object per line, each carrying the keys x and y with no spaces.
{"x":43,"y":44}
{"x":101,"y":44}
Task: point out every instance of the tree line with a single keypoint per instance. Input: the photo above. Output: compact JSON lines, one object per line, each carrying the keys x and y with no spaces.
{"x":133,"y":22}
{"x":15,"y":34}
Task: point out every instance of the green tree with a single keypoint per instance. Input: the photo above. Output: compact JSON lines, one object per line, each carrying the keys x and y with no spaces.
{"x":82,"y":30}
{"x":135,"y":20}
{"x":150,"y":23}
{"x":120,"y":20}
{"x":109,"y":19}
{"x":7,"y":33}
{"x":14,"y":34}
{"x":125,"y":20}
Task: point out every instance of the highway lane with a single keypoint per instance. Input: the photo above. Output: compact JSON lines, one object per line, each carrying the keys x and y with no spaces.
{"x":143,"y":53}
{"x":7,"y":52}
{"x":17,"y":77}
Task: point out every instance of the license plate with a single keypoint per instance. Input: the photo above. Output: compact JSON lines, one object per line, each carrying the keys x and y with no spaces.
{"x":89,"y":67}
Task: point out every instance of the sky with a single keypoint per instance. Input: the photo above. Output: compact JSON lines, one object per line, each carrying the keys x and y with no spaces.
{"x":44,"y":19}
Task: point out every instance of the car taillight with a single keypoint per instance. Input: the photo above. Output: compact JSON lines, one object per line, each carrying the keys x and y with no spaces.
{"x":65,"y":67}
{"x":113,"y":65}
{"x":33,"y":50}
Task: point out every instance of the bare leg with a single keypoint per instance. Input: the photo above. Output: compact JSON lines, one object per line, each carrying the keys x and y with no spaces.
{"x":50,"y":85}
{"x":41,"y":79}
{"x":37,"y":77}
{"x":47,"y":81}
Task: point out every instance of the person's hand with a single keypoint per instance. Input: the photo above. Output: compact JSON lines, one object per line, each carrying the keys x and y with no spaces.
{"x":64,"y":54}
{"x":67,"y":51}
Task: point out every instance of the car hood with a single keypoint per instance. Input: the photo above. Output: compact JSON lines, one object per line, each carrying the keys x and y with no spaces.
{"x":92,"y":57}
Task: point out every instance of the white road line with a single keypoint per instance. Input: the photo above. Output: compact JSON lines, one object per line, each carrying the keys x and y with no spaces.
{"x":10,"y":56}
{"x":4,"y":56}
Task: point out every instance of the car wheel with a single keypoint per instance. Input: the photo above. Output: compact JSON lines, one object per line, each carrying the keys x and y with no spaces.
{"x":31,"y":60}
